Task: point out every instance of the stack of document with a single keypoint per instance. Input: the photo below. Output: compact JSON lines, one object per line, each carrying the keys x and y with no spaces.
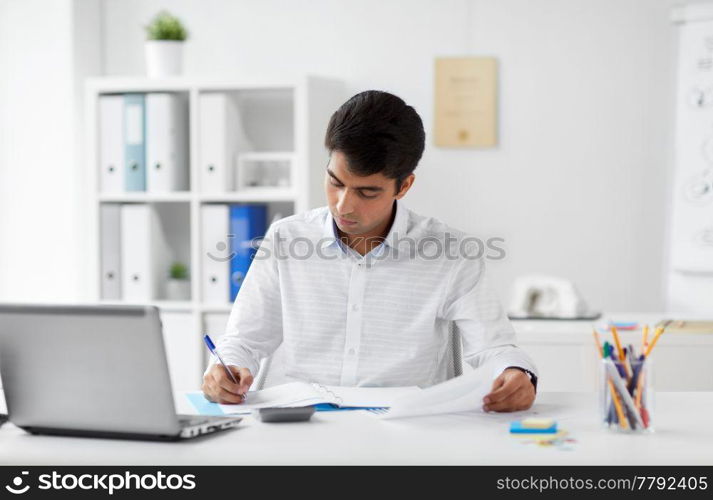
{"x":463,"y":394}
{"x":308,"y":394}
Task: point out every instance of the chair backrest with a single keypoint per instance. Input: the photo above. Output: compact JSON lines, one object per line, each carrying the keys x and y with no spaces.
{"x":259,"y":382}
{"x":454,"y":352}
{"x":455,"y":348}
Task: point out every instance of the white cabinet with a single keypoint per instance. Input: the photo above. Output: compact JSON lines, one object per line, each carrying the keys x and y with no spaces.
{"x":264,"y":139}
{"x":566,"y":358}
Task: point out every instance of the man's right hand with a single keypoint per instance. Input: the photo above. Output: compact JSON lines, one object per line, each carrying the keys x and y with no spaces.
{"x":219,"y":388}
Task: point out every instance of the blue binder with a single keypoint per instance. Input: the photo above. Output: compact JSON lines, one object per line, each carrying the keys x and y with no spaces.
{"x":135,"y":142}
{"x":247,"y":222}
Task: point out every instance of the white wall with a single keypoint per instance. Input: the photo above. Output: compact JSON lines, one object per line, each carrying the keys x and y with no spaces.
{"x":577,"y":185}
{"x":45,"y":51}
{"x":37,"y":178}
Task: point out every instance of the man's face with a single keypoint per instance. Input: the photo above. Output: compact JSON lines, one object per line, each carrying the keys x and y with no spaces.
{"x":359,"y":205}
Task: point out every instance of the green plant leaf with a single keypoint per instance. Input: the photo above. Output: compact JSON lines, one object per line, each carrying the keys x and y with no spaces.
{"x":165,"y":26}
{"x":179,"y":271}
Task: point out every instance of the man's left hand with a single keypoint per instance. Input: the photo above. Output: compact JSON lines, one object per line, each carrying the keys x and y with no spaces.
{"x":512,"y":391}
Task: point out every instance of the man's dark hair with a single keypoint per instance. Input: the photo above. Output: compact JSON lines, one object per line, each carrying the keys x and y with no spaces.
{"x":377,"y":132}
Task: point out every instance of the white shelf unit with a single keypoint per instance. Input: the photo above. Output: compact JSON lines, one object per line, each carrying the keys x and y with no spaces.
{"x":311,"y":101}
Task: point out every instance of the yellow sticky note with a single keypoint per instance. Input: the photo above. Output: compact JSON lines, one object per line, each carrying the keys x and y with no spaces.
{"x":537,"y":423}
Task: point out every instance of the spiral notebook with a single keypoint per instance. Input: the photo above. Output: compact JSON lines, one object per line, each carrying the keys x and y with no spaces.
{"x":308,"y":394}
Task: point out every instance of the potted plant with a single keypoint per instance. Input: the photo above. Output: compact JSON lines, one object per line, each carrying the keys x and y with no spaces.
{"x":178,"y":286}
{"x":164,"y":45}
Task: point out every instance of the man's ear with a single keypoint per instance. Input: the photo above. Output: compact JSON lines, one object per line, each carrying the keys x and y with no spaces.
{"x":405,"y":186}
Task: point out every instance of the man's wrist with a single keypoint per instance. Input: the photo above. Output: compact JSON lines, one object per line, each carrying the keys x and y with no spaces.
{"x":533,"y":377}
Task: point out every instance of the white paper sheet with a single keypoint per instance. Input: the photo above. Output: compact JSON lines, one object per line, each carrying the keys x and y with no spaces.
{"x":461,"y":394}
{"x":371,"y":397}
{"x":305,"y":394}
{"x":292,"y":394}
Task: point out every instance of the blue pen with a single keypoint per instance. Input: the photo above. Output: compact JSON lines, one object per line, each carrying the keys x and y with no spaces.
{"x":211,"y":347}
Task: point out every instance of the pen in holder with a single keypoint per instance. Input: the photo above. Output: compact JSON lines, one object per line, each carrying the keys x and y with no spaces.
{"x":626,"y":394}
{"x":625,"y":382}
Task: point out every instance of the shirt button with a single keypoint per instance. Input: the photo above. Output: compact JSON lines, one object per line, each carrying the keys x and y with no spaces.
{"x":352,"y":352}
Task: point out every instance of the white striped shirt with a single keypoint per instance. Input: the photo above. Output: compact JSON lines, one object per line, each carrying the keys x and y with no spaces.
{"x":338,"y":318}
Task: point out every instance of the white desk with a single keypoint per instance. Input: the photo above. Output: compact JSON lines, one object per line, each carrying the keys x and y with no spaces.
{"x":354,"y":437}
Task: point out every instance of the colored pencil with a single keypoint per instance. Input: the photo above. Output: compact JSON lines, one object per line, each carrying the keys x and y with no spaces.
{"x":659,"y":332}
{"x":617,"y":342}
{"x":598,"y":342}
{"x":623,"y":422}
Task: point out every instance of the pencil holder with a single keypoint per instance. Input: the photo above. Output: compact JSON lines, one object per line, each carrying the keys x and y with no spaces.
{"x":626,"y":395}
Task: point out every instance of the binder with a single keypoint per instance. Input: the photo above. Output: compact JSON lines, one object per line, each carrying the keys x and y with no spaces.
{"x":220,"y":137}
{"x":111,"y":143}
{"x":216,"y":153}
{"x":145,"y":257}
{"x":135,"y":142}
{"x":215,"y":254}
{"x":247,"y":223}
{"x":110,"y":220}
{"x":166,"y":142}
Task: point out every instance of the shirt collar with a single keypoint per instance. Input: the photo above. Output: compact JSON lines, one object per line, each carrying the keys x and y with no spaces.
{"x":330,"y":235}
{"x":399,"y":226}
{"x":329,"y":232}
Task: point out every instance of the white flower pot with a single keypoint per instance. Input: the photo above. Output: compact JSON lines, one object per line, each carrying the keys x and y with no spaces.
{"x":164,"y":58}
{"x":178,"y":289}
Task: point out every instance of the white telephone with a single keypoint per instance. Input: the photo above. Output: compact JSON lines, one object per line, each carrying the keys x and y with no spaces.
{"x":541,"y":296}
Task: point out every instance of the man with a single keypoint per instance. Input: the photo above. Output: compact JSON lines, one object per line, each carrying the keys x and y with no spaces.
{"x":362,"y":292}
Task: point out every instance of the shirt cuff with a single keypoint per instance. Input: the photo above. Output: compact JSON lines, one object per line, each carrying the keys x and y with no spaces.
{"x":533,"y":377}
{"x":514,"y":359}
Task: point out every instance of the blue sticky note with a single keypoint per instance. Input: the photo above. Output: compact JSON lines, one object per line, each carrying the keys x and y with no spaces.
{"x":517,"y":428}
{"x":624,"y":325}
{"x":203,"y":406}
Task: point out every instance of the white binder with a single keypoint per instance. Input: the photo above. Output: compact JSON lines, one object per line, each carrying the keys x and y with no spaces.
{"x":111,"y":143}
{"x":220,"y":137}
{"x":166,"y":142}
{"x":216,"y":153}
{"x":215,"y":253}
{"x":110,"y":220}
{"x":145,"y":259}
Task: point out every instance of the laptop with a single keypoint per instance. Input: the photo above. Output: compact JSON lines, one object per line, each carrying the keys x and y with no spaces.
{"x":96,"y":370}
